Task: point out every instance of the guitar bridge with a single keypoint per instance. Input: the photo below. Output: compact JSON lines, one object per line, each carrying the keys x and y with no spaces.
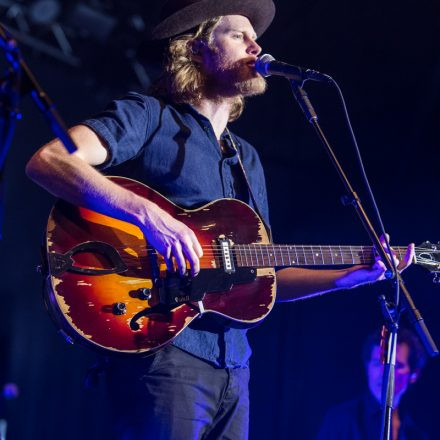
{"x":226,"y":253}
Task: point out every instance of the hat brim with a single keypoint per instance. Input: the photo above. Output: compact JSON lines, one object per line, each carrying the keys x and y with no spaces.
{"x":259,"y":12}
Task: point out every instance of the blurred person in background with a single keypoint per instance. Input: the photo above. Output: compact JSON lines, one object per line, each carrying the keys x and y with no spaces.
{"x":360,"y":418}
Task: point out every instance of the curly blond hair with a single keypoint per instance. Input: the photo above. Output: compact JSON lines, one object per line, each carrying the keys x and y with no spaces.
{"x":183,"y":81}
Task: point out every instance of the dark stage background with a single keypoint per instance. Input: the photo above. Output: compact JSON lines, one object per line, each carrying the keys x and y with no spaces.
{"x":306,"y":358}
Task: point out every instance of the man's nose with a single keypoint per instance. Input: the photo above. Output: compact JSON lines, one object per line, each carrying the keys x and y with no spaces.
{"x":254,"y":48}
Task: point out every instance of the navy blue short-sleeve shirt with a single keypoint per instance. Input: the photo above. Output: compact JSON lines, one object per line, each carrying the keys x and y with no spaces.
{"x":174,"y":150}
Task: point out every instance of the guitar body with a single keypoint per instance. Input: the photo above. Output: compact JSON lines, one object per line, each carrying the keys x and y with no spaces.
{"x":104,"y":281}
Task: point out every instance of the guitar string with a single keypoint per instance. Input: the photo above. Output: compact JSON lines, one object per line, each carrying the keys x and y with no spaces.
{"x":252,"y":247}
{"x":302,"y":259}
{"x":260,"y":252}
{"x":290,"y":257}
{"x":333,"y":257}
{"x":271,"y":263}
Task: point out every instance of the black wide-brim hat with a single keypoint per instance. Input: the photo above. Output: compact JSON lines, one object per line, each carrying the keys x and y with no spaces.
{"x":182,"y":15}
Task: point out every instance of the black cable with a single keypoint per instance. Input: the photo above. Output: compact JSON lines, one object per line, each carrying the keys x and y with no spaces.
{"x":369,"y":190}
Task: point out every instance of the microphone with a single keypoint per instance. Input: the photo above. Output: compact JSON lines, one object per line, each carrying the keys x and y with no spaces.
{"x":267,"y":65}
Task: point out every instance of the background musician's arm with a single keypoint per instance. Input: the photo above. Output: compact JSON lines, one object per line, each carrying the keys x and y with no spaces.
{"x":73,"y":178}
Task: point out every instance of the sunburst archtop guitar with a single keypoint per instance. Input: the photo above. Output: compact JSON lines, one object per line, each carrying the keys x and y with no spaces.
{"x":107,"y":288}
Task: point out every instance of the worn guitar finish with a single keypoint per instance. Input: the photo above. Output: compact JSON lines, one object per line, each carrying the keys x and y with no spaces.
{"x":108,"y":288}
{"x":109,"y":298}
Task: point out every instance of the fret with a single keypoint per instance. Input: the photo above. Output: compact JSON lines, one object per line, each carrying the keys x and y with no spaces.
{"x":262,"y":258}
{"x":322,"y":255}
{"x":255,"y":255}
{"x":345,"y":257}
{"x":252,"y":257}
{"x":245,"y":255}
{"x":341,"y":255}
{"x":282,"y":256}
{"x":238,"y":256}
{"x":271,"y":252}
{"x":291,"y":260}
{"x":313,"y":255}
{"x":304,"y":261}
{"x":351,"y":252}
{"x":268,"y":256}
{"x":331,"y":255}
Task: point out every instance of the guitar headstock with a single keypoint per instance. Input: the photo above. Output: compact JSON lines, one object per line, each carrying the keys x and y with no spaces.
{"x":428,"y":256}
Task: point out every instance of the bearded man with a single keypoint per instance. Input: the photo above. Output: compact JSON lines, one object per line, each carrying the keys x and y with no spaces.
{"x":176,"y":141}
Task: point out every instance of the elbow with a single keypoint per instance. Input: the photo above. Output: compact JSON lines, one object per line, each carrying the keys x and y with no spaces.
{"x":32,"y":166}
{"x":40,"y":163}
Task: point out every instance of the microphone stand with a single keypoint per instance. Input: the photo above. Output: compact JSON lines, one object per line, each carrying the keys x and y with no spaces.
{"x":389,"y":331}
{"x":20,"y":81}
{"x":407,"y":305}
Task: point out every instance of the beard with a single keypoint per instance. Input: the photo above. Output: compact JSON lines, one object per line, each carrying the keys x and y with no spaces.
{"x":251,"y":87}
{"x":238,"y":78}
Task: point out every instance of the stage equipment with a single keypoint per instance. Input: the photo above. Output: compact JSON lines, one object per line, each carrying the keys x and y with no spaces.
{"x":19,"y":81}
{"x":74,"y":32}
{"x":392,"y":309}
{"x":267,"y":65}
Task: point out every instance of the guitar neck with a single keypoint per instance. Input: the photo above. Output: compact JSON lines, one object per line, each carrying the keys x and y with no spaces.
{"x":270,"y":255}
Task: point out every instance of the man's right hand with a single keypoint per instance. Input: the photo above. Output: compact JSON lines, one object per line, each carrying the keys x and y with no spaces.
{"x":172,"y":239}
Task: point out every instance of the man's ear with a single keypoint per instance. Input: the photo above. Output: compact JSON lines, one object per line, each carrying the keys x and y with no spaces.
{"x":196,"y":50}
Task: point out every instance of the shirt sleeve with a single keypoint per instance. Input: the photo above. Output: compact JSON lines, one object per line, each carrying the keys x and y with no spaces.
{"x":124,"y":126}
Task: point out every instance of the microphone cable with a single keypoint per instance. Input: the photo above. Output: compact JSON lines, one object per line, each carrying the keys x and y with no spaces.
{"x":368,"y":187}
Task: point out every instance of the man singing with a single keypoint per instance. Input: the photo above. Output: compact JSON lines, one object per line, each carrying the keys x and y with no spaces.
{"x":176,"y":141}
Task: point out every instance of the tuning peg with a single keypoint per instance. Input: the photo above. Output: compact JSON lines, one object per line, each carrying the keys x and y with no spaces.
{"x":436,"y":279}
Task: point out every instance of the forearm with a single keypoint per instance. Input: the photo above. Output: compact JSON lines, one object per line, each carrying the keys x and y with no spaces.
{"x":296,"y":283}
{"x":71,"y":178}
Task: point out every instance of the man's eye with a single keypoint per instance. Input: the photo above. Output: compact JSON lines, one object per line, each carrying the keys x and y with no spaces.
{"x":237,"y":36}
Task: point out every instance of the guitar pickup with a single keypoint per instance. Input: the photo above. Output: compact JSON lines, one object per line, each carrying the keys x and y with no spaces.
{"x":226,"y":253}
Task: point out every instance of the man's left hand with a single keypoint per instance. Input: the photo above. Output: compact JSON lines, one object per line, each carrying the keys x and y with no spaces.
{"x":358,"y":275}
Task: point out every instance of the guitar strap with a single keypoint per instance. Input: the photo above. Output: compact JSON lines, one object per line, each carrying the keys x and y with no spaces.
{"x":254,"y":201}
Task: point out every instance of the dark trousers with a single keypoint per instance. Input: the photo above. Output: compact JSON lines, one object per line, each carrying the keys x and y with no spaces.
{"x":176,"y":396}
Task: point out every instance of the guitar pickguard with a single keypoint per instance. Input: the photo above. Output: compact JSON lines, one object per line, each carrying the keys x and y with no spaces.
{"x":175,"y":289}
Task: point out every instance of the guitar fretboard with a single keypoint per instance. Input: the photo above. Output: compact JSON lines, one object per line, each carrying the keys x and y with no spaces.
{"x":270,"y":255}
